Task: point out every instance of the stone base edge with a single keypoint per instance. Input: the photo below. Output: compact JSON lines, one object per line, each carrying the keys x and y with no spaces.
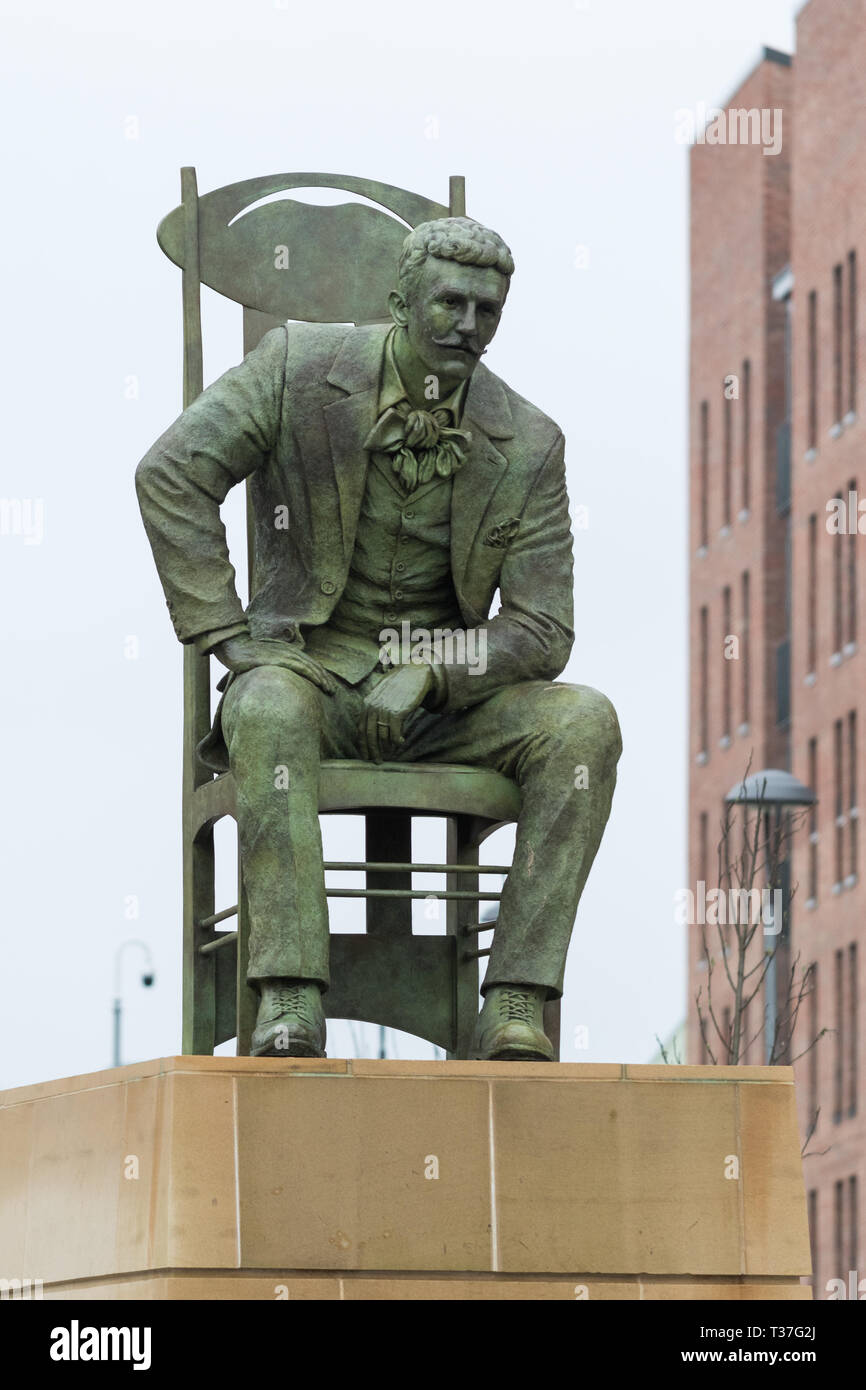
{"x":273,"y":1286}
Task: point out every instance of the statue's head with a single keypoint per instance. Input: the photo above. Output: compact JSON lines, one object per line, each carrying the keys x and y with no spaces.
{"x":452,"y":281}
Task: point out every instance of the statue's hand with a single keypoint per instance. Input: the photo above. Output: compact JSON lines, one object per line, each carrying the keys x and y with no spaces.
{"x":243,"y":653}
{"x":395,"y":697}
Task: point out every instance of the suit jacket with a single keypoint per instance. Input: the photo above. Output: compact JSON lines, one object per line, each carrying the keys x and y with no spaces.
{"x":293,"y":417}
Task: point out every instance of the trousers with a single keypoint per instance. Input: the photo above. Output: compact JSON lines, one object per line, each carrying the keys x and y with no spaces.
{"x":559,"y":742}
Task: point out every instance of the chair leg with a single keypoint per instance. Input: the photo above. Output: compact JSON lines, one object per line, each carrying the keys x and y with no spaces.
{"x":199,"y":997}
{"x":462,"y":848}
{"x":247,"y":997}
{"x":388,"y":840}
{"x":199,"y":1002}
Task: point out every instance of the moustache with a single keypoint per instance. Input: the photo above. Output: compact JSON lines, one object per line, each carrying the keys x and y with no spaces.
{"x":464,"y":347}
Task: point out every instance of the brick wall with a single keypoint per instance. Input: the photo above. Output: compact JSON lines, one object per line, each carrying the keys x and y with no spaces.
{"x":751,"y":214}
{"x":828,"y":199}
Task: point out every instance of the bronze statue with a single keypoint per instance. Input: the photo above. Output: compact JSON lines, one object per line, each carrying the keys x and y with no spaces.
{"x":396,"y":483}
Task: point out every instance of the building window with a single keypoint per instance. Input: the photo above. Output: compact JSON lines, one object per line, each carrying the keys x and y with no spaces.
{"x":839,"y":1040}
{"x":853,"y":1031}
{"x":726,"y":664}
{"x":783,"y":683}
{"x":747,"y":435}
{"x":704,"y":848}
{"x":853,"y":1224}
{"x":813,"y":1234}
{"x":852,"y":332}
{"x":745,"y":1037}
{"x":747,"y":850}
{"x":745,"y":646}
{"x":812,"y":371}
{"x":853,"y":814}
{"x":705,"y":474}
{"x":837,"y":593}
{"x":704,"y":730}
{"x":852,"y":579}
{"x":727,"y":410}
{"x":838,"y":409}
{"x":812,"y":1209}
{"x":814,"y":1029}
{"x":839,"y":838}
{"x":703,"y":865}
{"x":839,"y":1230}
{"x":813,"y":823}
{"x":812,"y":596}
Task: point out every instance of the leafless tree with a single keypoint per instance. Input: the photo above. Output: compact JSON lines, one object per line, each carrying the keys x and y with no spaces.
{"x":747,"y":948}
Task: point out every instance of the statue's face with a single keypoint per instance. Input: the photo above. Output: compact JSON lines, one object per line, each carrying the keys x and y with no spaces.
{"x":453,"y":314}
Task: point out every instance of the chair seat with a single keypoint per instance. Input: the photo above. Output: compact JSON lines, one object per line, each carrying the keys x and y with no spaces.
{"x":435,"y":789}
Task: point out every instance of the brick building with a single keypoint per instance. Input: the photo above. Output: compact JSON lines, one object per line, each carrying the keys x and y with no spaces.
{"x":776,"y":434}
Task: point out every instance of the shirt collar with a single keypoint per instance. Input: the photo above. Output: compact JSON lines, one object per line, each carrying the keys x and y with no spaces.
{"x":392,"y":389}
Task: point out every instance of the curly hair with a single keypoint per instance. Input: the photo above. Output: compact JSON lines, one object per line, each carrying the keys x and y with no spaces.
{"x":451,"y":239}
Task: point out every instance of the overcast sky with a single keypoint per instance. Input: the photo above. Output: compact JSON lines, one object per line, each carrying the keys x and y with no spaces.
{"x":561,"y":117}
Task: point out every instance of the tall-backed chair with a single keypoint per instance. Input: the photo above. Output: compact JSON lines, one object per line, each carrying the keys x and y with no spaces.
{"x":281,"y":260}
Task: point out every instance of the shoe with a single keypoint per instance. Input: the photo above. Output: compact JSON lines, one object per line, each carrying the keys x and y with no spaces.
{"x":290,"y":1021}
{"x":510,"y":1026}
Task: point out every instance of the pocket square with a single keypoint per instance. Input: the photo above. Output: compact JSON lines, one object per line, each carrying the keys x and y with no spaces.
{"x":500,"y":535}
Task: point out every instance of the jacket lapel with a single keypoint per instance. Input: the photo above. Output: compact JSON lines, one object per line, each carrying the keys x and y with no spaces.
{"x":487,"y":416}
{"x":356,"y":370}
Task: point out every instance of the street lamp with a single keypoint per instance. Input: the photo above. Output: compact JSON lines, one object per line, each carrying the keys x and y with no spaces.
{"x":147,"y":980}
{"x":774,"y":790}
{"x":772,"y":787}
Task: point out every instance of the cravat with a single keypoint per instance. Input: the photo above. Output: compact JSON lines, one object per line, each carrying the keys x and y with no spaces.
{"x":420,"y":443}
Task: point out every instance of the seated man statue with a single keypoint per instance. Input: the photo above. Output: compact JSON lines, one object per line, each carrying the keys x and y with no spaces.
{"x":396,"y":484}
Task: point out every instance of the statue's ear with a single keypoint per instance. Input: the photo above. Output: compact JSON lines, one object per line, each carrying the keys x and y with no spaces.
{"x":399,"y":309}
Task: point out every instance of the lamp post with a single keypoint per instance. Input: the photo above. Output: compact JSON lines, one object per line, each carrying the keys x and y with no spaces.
{"x":147,"y":980}
{"x":772,"y":790}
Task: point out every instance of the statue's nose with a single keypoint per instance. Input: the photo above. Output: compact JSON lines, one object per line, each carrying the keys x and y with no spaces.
{"x":467,"y":322}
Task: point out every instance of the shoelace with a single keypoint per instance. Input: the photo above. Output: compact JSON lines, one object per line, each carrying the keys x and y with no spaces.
{"x":293,"y":999}
{"x":514,"y":1004}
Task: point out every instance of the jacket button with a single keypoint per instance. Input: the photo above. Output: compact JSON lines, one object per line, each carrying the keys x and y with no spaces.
{"x":328,"y":586}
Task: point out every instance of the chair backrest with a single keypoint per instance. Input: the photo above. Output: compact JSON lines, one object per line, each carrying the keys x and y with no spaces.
{"x":286,"y":259}
{"x":281,"y":259}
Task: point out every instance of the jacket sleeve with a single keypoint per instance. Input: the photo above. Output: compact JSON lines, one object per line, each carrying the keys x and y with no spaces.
{"x":222,"y":437}
{"x":532,"y":635}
